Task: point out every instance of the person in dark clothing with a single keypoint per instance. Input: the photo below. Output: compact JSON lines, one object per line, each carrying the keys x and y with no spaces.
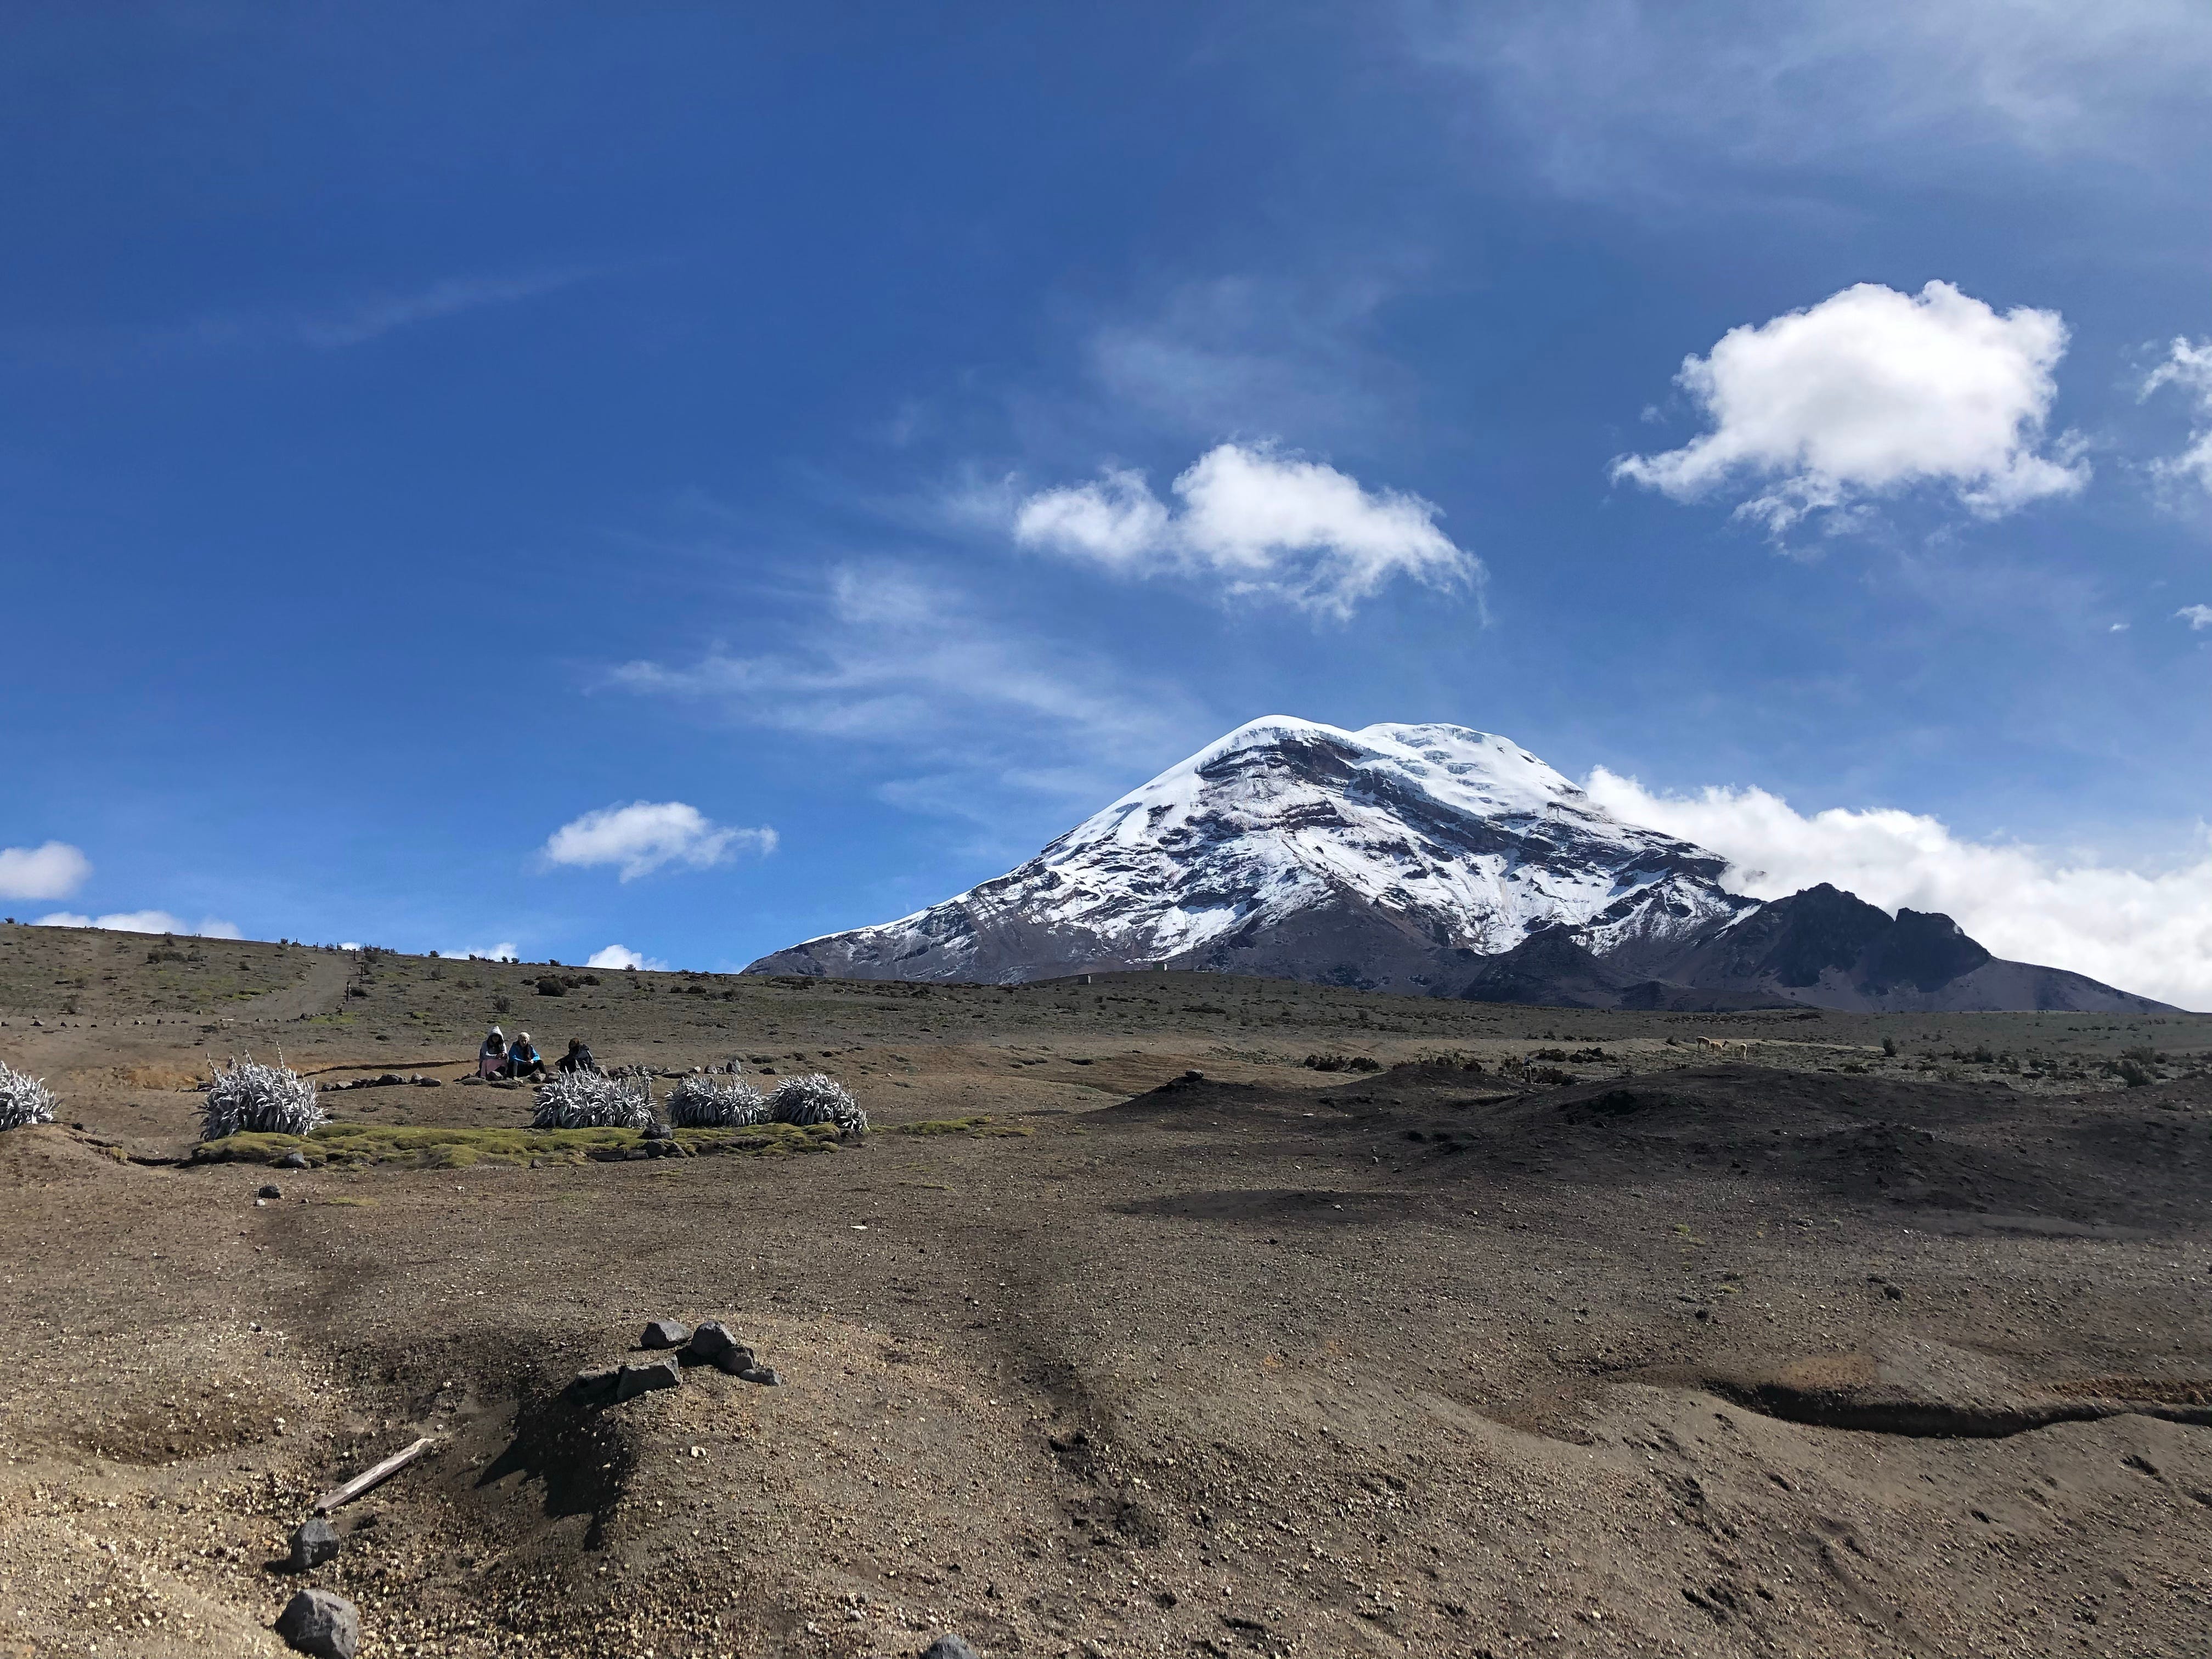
{"x":522,"y":1058}
{"x":579,"y":1058}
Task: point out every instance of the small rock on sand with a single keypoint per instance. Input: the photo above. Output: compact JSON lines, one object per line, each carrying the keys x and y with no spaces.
{"x":313,"y":1542}
{"x":664,"y":1334}
{"x":270,"y":1190}
{"x":293,"y":1161}
{"x":315,"y":1621}
{"x":949,"y":1646}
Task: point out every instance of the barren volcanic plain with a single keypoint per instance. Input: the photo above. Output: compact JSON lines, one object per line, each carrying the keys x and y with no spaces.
{"x":1124,"y":1331}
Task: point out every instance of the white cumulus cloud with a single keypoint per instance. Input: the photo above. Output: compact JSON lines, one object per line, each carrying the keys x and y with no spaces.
{"x":2188,"y":367}
{"x":621,"y":956}
{"x":53,"y":871}
{"x":2196,"y":616}
{"x":143,"y":922}
{"x":1257,"y":520}
{"x":2147,"y":933}
{"x":1867,"y":395}
{"x":649,"y":835}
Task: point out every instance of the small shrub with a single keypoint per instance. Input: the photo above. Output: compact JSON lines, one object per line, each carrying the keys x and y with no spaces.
{"x":703,"y":1101}
{"x":502,"y":1004}
{"x":1889,"y":1047}
{"x":814,"y":1098}
{"x":584,"y":1100}
{"x":247,"y":1097}
{"x":2134,"y":1072}
{"x":551,"y":986}
{"x":24,"y":1099}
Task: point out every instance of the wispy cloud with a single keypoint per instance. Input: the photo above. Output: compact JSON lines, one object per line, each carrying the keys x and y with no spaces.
{"x":968,"y":707}
{"x":1239,"y":355}
{"x":2187,"y":368}
{"x":335,"y":327}
{"x":1637,"y":98}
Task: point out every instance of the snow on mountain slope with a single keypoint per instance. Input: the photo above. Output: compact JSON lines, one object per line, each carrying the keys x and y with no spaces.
{"x":1376,"y":857}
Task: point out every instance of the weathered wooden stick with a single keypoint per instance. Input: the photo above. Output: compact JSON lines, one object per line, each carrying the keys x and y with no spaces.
{"x":375,"y":1477}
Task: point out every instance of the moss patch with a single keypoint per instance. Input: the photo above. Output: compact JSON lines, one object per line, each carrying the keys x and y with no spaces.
{"x":359,"y":1145}
{"x":960,"y":1125}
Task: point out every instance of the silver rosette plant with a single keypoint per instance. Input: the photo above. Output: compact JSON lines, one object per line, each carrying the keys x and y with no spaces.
{"x":704,"y":1100}
{"x":816,"y":1099}
{"x":24,"y":1099}
{"x":584,"y":1100}
{"x":247,"y":1097}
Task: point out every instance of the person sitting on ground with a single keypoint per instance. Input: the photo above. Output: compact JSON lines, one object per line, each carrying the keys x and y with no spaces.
{"x":491,"y":1058}
{"x":579,"y":1058}
{"x":522,"y":1059}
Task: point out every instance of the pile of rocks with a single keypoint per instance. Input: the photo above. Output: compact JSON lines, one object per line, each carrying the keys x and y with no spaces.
{"x":710,"y":1344}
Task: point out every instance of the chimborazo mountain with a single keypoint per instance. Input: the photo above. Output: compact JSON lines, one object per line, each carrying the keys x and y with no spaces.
{"x":1428,"y":861}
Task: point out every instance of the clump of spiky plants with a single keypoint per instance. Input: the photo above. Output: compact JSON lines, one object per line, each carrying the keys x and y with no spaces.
{"x":816,"y":1099}
{"x":584,"y":1100}
{"x":706,"y":1101}
{"x":24,"y":1099}
{"x":249,"y":1098}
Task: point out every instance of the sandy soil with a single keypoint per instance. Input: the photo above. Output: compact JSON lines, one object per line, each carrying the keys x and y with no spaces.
{"x":1796,"y":1348}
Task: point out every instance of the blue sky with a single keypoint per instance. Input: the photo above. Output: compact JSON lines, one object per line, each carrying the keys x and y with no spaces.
{"x":873,"y":440}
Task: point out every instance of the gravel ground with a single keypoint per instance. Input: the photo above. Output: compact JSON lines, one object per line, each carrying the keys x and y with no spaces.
{"x":1693,"y":1352}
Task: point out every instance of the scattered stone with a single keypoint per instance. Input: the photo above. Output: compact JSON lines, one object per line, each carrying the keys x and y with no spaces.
{"x":270,"y":1189}
{"x":315,"y":1621}
{"x":631,"y":1380}
{"x":712,"y":1344}
{"x":656,"y":1131}
{"x":313,"y":1542}
{"x":949,"y":1646}
{"x":294,"y":1160}
{"x":763,"y":1375}
{"x":664,"y":1334}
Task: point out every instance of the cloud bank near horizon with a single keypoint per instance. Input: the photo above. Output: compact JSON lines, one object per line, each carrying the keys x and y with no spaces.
{"x":2151,"y":934}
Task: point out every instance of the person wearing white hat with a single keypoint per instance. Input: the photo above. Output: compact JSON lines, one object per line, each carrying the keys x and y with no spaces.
{"x":491,"y":1058}
{"x":522,"y":1058}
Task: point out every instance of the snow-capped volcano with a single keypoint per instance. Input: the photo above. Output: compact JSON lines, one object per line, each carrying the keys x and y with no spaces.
{"x":1428,"y":860}
{"x":1380,"y":849}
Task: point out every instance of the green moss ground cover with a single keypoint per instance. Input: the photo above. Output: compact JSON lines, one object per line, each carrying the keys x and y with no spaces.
{"x":360,"y":1146}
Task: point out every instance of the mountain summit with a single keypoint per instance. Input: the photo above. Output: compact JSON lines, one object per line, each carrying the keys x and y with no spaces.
{"x":1430,"y":860}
